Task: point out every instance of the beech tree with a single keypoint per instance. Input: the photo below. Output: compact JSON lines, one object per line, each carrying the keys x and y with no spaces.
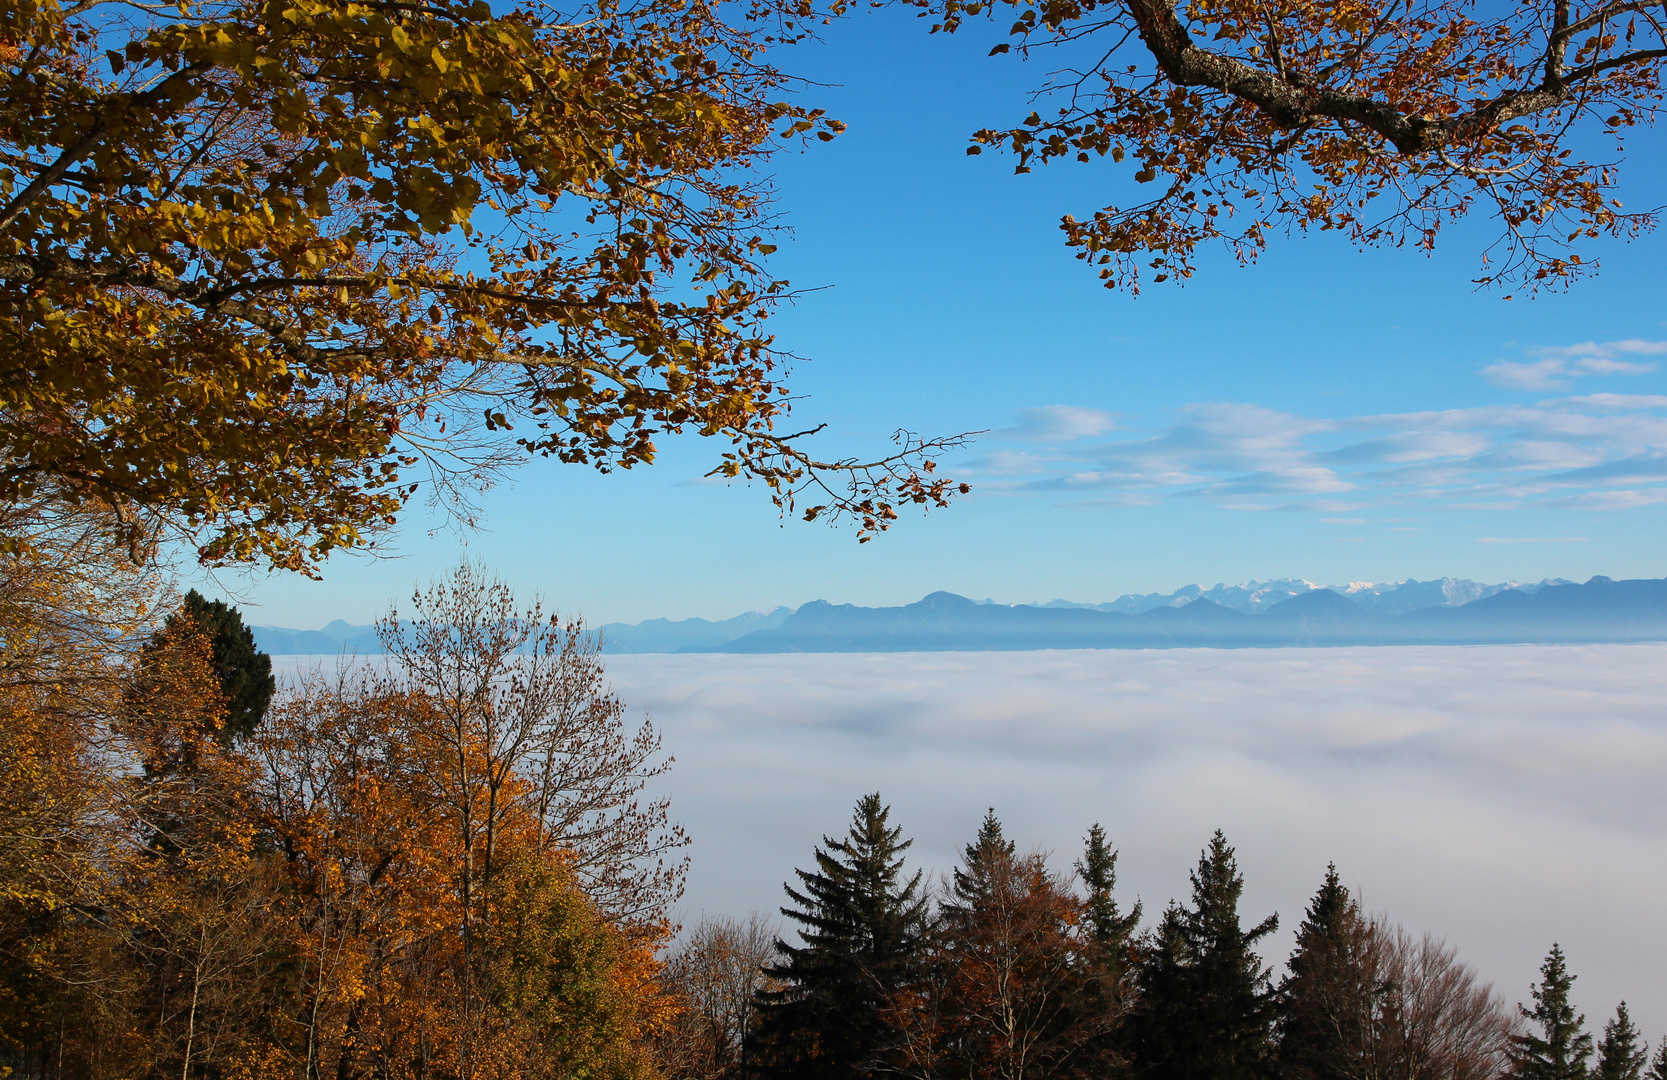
{"x":1380,"y":122}
{"x":1015,"y":963}
{"x":261,"y":261}
{"x":514,"y":700}
{"x":715,"y":976}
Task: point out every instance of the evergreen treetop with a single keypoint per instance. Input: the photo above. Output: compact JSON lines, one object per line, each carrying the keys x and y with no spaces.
{"x":245,"y":673}
{"x":1658,"y":1067}
{"x":1097,"y":868}
{"x":983,"y":862}
{"x":1208,"y":1008}
{"x":863,"y":928}
{"x":1558,"y":1050}
{"x":1623,"y":1053}
{"x":1324,"y":991}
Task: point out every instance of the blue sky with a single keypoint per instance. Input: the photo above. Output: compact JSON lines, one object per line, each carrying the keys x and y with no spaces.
{"x":1326,"y":412}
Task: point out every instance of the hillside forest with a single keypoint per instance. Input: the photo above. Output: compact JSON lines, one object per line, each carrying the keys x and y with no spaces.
{"x":451,"y":863}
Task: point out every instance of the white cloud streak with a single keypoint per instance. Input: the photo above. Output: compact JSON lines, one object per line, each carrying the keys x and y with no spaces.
{"x":1505,"y":797}
{"x":1590,"y":452}
{"x":1556,"y":366}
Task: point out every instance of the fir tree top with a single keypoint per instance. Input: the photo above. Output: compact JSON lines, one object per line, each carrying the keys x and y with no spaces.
{"x":1623,"y":1052}
{"x":1098,"y":869}
{"x":854,"y":903}
{"x":245,"y":673}
{"x":983,"y":861}
{"x":1558,"y":1051}
{"x":1216,"y":888}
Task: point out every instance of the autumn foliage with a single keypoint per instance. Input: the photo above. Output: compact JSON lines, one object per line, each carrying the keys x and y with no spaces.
{"x":333,"y":895}
{"x":1385,"y":123}
{"x":266,"y":266}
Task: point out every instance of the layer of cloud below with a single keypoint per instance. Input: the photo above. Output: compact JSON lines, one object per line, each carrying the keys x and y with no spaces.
{"x":1505,"y":797}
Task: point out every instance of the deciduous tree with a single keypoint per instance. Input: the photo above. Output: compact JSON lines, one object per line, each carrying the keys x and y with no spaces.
{"x":260,"y":263}
{"x":515,"y":702}
{"x":1382,"y":123}
{"x":1013,"y":958}
{"x":715,"y":976}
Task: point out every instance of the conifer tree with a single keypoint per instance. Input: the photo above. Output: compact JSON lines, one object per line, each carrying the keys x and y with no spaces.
{"x":1561,"y":1046}
{"x":1325,"y":979}
{"x":983,"y":861}
{"x":1623,"y":1053}
{"x":862,"y":927}
{"x":1658,"y":1067}
{"x":1207,"y":1009}
{"x":245,"y":673}
{"x":1107,"y":925}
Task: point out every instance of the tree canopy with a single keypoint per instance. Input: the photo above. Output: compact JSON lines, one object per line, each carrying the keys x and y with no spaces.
{"x":1383,"y":122}
{"x":263,"y":262}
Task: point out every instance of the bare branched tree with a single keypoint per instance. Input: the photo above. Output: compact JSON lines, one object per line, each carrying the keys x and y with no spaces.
{"x":1397,"y":1007}
{"x":715,"y":974}
{"x":520,"y":698}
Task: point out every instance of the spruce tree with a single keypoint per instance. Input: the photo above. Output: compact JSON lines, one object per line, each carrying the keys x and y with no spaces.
{"x":1623,"y":1053}
{"x":1207,"y":1007}
{"x":245,"y":673}
{"x":983,"y":862}
{"x":1107,"y":925}
{"x":1658,"y":1067}
{"x":862,"y":928}
{"x":1324,"y":980}
{"x":1561,"y":1046}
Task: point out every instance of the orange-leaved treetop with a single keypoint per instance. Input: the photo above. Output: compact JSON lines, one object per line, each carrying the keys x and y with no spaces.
{"x":262,"y":261}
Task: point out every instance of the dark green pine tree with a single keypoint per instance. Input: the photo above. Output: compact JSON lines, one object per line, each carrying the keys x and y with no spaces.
{"x":1658,"y":1067}
{"x":1207,"y":1008}
{"x":1559,"y":1048}
{"x":862,"y":927}
{"x":1323,"y":989}
{"x":1109,"y":928}
{"x":1623,"y":1053}
{"x":983,"y":861}
{"x":245,"y":673}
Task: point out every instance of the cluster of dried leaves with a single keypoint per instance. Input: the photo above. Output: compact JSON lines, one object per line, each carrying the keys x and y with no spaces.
{"x":1381,"y":121}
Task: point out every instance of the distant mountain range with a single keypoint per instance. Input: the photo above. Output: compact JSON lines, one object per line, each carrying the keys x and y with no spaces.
{"x":1287,"y":612}
{"x":1600,"y":610}
{"x":1254,"y":597}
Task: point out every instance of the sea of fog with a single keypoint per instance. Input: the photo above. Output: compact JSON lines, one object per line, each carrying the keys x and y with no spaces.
{"x":1504,"y":797}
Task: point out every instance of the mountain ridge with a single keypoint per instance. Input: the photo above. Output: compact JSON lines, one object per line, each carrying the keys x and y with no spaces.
{"x":1246,"y":598}
{"x":1600,"y":610}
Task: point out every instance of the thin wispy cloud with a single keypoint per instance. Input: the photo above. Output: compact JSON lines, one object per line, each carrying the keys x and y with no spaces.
{"x":1057,"y":424}
{"x":1556,"y":367}
{"x":1586,"y":452}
